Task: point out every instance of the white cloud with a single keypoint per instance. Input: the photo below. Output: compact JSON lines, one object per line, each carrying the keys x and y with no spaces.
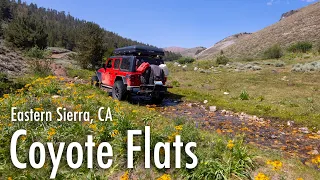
{"x":270,"y":3}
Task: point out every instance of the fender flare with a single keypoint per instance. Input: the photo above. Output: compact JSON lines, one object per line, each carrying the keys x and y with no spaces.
{"x":123,"y":78}
{"x":99,"y":75}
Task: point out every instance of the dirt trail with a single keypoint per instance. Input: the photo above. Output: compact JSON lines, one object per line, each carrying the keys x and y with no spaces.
{"x":273,"y":134}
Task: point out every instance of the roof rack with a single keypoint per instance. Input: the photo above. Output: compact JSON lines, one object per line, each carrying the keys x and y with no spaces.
{"x":139,"y":50}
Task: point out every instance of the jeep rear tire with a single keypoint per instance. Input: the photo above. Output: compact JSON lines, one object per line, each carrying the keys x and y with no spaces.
{"x":95,"y":81}
{"x":119,"y":91}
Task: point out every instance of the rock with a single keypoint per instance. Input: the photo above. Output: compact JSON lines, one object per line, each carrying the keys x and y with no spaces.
{"x":205,"y":101}
{"x":223,"y":112}
{"x":195,"y":68}
{"x":318,"y":132}
{"x":304,"y":130}
{"x":256,"y":68}
{"x":179,"y":65}
{"x":176,"y":64}
{"x":190,"y":105}
{"x":55,"y":96}
{"x":290,"y":123}
{"x":313,"y":152}
{"x":273,"y":136}
{"x":226,"y":93}
{"x":213,"y":108}
{"x":185,"y":66}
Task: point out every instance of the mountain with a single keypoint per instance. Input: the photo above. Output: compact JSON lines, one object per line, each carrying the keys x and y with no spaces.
{"x":174,"y":49}
{"x":185,"y":52}
{"x":226,"y":42}
{"x":300,"y":25}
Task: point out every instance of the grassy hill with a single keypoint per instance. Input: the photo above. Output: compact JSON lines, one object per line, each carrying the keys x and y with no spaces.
{"x":303,"y":25}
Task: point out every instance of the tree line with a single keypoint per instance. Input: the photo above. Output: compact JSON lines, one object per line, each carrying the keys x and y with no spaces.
{"x":27,"y":25}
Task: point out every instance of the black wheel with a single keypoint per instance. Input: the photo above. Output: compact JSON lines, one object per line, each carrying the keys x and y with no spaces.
{"x":119,"y":91}
{"x":95,"y":81}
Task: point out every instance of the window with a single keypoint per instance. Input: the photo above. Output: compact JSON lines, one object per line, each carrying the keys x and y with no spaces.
{"x":109,"y":64}
{"x":125,"y":64}
{"x":117,"y":64}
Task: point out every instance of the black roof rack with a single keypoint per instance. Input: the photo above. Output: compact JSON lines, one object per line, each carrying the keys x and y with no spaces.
{"x":139,"y":50}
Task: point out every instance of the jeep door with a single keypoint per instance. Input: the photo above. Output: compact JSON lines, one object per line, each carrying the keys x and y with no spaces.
{"x":106,"y":76}
{"x":116,"y":70}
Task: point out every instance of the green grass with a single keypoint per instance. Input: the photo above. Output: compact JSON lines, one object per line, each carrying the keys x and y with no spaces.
{"x":275,"y":92}
{"x":81,"y":73}
{"x":219,"y":157}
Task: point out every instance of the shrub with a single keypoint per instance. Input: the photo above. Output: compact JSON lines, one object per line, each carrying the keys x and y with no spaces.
{"x":222,"y":60}
{"x":185,"y":60}
{"x":41,"y":67}
{"x":35,"y":52}
{"x":244,"y":95}
{"x":300,"y":47}
{"x":273,"y":52}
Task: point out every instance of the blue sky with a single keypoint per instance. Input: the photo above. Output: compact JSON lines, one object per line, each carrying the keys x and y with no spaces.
{"x":183,"y":23}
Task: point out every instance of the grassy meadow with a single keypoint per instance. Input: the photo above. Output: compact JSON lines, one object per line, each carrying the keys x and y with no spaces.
{"x":275,"y":91}
{"x":219,"y":157}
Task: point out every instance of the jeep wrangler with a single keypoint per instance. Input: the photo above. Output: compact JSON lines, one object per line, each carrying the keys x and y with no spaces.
{"x":120,"y":73}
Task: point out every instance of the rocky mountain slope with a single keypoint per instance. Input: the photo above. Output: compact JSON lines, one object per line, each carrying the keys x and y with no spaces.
{"x":301,"y":25}
{"x":11,"y":61}
{"x":175,"y":49}
{"x":186,"y":52}
{"x":221,"y":45}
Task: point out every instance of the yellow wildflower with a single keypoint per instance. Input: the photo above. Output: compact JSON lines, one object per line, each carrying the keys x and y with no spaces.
{"x":178,"y":128}
{"x":125,"y":176}
{"x":90,"y":96}
{"x":23,"y":138}
{"x":134,"y":111}
{"x":164,"y":177}
{"x":9,"y":178}
{"x":6,"y":96}
{"x":38,"y":109}
{"x":316,"y":160}
{"x":151,"y":109}
{"x":230,"y":144}
{"x":261,"y":176}
{"x":114,"y":133}
{"x":276,"y":165}
{"x":93,"y":126}
{"x":300,"y":179}
{"x":51,"y":132}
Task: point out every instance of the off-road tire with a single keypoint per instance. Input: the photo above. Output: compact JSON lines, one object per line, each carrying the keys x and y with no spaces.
{"x":119,"y":91}
{"x":95,"y":81}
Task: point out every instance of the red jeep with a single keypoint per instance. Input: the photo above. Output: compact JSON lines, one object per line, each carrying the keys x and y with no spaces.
{"x":120,"y":74}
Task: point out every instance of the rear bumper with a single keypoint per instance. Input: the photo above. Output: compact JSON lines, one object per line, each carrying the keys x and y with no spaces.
{"x":147,"y":89}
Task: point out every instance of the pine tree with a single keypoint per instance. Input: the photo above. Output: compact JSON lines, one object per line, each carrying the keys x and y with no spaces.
{"x":91,"y":45}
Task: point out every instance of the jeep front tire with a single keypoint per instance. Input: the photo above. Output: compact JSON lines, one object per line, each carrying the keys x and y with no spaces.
{"x":95,"y":81}
{"x":119,"y":91}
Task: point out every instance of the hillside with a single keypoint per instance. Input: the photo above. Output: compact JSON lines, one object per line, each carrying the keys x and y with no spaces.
{"x":221,"y":45}
{"x":303,"y":25}
{"x":175,"y":49}
{"x":185,"y":52}
{"x":11,"y":62}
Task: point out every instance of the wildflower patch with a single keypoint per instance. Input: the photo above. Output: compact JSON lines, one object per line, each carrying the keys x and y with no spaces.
{"x":104,"y":150}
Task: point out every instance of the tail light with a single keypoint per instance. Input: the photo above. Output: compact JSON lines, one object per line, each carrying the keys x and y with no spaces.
{"x":133,"y":79}
{"x":164,"y":81}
